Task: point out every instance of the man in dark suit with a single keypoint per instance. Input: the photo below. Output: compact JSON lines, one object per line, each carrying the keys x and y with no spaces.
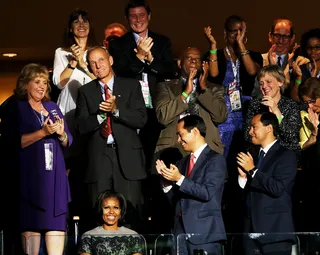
{"x":146,"y":56}
{"x":110,"y":110}
{"x":195,"y":187}
{"x":268,"y":183}
{"x":191,"y":93}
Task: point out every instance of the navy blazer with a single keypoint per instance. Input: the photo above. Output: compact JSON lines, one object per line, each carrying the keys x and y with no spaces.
{"x":269,"y":194}
{"x":199,"y":197}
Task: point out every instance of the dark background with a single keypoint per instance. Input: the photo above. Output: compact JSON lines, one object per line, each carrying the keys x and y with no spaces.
{"x":34,"y":28}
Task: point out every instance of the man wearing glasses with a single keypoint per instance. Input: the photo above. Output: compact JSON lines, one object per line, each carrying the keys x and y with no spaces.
{"x":282,"y":52}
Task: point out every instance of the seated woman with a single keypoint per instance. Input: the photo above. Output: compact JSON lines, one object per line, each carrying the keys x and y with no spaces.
{"x":110,"y":237}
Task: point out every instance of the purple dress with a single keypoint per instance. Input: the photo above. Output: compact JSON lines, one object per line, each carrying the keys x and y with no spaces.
{"x":44,"y":195}
{"x":235,"y":119}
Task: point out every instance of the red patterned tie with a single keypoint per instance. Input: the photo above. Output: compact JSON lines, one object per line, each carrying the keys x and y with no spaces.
{"x":191,"y":164}
{"x":106,"y":126}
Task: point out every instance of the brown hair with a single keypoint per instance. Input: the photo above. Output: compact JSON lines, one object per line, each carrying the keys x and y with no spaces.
{"x":29,"y":73}
{"x":273,"y":70}
{"x":310,"y":88}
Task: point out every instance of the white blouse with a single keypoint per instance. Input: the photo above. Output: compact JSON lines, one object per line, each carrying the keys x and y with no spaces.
{"x":68,"y":95}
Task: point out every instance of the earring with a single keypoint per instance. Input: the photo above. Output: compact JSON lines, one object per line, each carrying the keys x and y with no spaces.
{"x":245,"y":40}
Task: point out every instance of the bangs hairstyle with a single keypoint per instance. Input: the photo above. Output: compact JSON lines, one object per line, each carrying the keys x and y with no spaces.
{"x":274,"y":71}
{"x":312,"y":33}
{"x":310,"y":88}
{"x":99,"y":205}
{"x":68,"y":38}
{"x":29,"y":73}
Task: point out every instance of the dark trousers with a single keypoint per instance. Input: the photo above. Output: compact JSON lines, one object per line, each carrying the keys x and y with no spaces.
{"x":252,"y":246}
{"x":112,"y":178}
{"x":185,"y":247}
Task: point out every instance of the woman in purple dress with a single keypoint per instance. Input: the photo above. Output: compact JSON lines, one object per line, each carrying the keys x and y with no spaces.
{"x":44,"y":188}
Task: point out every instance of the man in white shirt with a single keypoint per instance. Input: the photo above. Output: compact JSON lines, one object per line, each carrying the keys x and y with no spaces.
{"x":194,"y":186}
{"x":268,"y":183}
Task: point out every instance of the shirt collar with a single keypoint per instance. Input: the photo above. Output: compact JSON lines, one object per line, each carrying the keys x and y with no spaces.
{"x":198,"y":152}
{"x":109,"y":83}
{"x":195,"y":81}
{"x":267,"y":148}
{"x":137,"y":37}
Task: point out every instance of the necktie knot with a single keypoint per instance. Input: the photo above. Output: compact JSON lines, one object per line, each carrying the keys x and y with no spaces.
{"x":191,"y":164}
{"x":279,"y":61}
{"x":106,"y":91}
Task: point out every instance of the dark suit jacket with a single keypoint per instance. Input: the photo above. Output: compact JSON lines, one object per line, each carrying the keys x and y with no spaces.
{"x":169,"y":106}
{"x":132,"y":116}
{"x":199,"y":197}
{"x":269,"y":194}
{"x":126,"y":64}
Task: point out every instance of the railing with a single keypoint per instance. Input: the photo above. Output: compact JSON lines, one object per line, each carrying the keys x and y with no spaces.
{"x":166,"y":244}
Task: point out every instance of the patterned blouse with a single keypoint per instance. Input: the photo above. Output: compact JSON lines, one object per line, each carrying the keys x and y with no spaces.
{"x":98,"y":243}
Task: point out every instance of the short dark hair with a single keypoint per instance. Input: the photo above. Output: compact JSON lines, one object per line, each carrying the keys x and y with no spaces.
{"x":231,"y":20}
{"x":289,"y":22}
{"x":29,"y":73}
{"x":312,"y":33}
{"x":110,"y":194}
{"x":135,"y":4}
{"x":194,"y":121}
{"x":269,"y":118}
{"x":310,"y":88}
{"x":68,"y":38}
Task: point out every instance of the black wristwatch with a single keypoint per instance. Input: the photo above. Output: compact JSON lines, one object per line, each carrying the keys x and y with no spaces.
{"x":70,"y":67}
{"x":251,"y":171}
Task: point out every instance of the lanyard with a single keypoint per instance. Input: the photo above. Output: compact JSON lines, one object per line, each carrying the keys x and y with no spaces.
{"x":41,"y":121}
{"x":235,"y":67}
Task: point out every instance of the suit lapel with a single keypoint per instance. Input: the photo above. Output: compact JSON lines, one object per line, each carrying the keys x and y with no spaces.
{"x":177,"y":87}
{"x":200,"y":161}
{"x":270,"y":154}
{"x":96,"y":92}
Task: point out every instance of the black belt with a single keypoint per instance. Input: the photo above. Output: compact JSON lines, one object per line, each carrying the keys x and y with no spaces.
{"x":112,"y":145}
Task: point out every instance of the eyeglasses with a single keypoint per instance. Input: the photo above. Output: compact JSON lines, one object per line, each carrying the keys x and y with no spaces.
{"x":191,"y":59}
{"x":279,"y":36}
{"x":311,"y":101}
{"x":315,"y":48}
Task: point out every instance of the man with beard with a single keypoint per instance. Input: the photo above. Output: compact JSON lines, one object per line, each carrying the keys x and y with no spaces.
{"x":192,"y":94}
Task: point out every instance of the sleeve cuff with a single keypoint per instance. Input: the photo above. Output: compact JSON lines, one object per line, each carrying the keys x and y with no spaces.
{"x":180,"y":180}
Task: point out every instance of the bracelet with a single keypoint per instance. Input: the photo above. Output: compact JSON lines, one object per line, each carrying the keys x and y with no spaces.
{"x":213,"y":51}
{"x":185,"y":94}
{"x":280,"y":119}
{"x":298,"y":81}
{"x":70,"y":67}
{"x":244,"y":53}
{"x":212,"y":60}
{"x":64,"y":139}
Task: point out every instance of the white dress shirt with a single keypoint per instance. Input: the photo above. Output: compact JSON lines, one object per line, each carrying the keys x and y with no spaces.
{"x":196,"y":156}
{"x":242,"y":181}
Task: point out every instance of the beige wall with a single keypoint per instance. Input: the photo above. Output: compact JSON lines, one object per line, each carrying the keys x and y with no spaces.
{"x":7,"y":84}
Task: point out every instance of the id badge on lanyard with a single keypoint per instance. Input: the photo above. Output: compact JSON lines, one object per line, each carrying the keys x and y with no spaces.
{"x":233,"y":91}
{"x":145,"y":90}
{"x":48,"y":154}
